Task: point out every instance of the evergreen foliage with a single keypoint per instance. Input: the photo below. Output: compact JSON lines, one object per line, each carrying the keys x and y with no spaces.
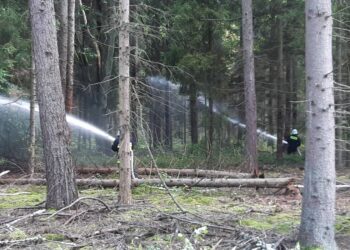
{"x":14,"y":45}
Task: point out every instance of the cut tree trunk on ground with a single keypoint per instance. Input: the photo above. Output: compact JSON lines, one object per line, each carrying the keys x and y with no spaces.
{"x":339,"y":188}
{"x":252,"y":183}
{"x":170,"y":171}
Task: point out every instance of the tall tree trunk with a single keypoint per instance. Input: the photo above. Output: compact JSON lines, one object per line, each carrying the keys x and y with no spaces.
{"x":272,"y":73}
{"x":61,"y":9}
{"x":211,"y":124}
{"x":32,"y":120}
{"x":280,"y":93}
{"x":209,"y":82}
{"x":249,"y":87}
{"x":70,"y":56}
{"x":340,"y":121}
{"x":295,"y":86}
{"x":193,"y":114}
{"x":124,"y":105}
{"x":289,"y":88}
{"x":61,"y":187}
{"x":184,"y":122}
{"x":167,"y":119}
{"x":156,"y":119}
{"x":318,"y":208}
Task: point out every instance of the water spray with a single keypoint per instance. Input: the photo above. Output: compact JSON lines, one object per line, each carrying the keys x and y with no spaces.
{"x":160,"y":83}
{"x":72,"y":120}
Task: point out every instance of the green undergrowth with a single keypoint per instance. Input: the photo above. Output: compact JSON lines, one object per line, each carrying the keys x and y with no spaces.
{"x":54,"y":237}
{"x":97,"y":192}
{"x":194,"y":200}
{"x":158,"y":196}
{"x":17,"y":234}
{"x":269,"y":158}
{"x":34,"y":195}
{"x":342,"y":225}
{"x":280,"y":223}
{"x":284,"y":223}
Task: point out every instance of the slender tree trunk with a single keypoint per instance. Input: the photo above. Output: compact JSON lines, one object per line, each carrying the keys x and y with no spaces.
{"x":167,"y":119}
{"x":295,"y":86}
{"x":156,"y":119}
{"x":211,"y":124}
{"x":318,"y":208}
{"x":61,"y":9}
{"x":272,"y":107}
{"x":289,"y":88}
{"x":280,"y":93}
{"x":124,"y":105}
{"x":185,"y":122}
{"x":31,"y":168}
{"x":70,"y":56}
{"x":193,"y":114}
{"x":61,"y":187}
{"x":340,"y":121}
{"x":249,"y":87}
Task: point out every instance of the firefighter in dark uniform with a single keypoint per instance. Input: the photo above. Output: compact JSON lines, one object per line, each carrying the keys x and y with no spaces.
{"x":115,"y":148}
{"x":293,"y":142}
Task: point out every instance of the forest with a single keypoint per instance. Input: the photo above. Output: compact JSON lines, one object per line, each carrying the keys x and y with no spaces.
{"x":229,"y":122}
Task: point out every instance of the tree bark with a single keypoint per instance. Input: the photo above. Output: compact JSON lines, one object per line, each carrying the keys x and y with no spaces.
{"x":61,"y":188}
{"x":193,"y":114}
{"x":61,"y":9}
{"x":340,"y":118}
{"x":31,"y":167}
{"x":248,"y":183}
{"x":280,"y":92}
{"x":249,"y":88}
{"x":124,"y":105}
{"x":167,"y":119}
{"x":169,"y":171}
{"x":318,"y":208}
{"x":288,"y":95}
{"x":70,"y":56}
{"x":210,"y":125}
{"x":156,"y":119}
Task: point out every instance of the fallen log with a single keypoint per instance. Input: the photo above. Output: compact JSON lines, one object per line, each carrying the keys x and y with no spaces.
{"x":195,"y":182}
{"x":339,"y":188}
{"x":194,"y":172}
{"x":102,"y":170}
{"x":170,"y":171}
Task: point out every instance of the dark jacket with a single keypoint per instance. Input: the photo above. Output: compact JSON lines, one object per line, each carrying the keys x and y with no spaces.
{"x":293,"y":143}
{"x":115,"y":145}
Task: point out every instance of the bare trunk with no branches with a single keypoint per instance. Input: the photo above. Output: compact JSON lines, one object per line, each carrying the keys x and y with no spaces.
{"x":70,"y":56}
{"x":249,"y":87}
{"x":124,"y":105}
{"x":318,"y":208}
{"x":61,"y":188}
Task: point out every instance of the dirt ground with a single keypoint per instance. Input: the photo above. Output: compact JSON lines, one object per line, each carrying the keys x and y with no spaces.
{"x":220,"y":218}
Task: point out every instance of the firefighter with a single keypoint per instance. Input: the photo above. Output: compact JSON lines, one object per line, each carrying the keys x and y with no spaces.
{"x":115,"y":148}
{"x":293,"y":142}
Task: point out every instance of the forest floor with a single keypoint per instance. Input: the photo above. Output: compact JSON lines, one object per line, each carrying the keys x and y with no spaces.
{"x":209,"y":218}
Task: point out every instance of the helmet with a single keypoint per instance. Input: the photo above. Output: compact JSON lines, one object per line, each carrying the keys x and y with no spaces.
{"x":294,"y":131}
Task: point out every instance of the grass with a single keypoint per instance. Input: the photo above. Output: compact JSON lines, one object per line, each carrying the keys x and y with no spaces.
{"x":54,"y":237}
{"x":36,"y":194}
{"x":342,"y":225}
{"x":282,"y":223}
